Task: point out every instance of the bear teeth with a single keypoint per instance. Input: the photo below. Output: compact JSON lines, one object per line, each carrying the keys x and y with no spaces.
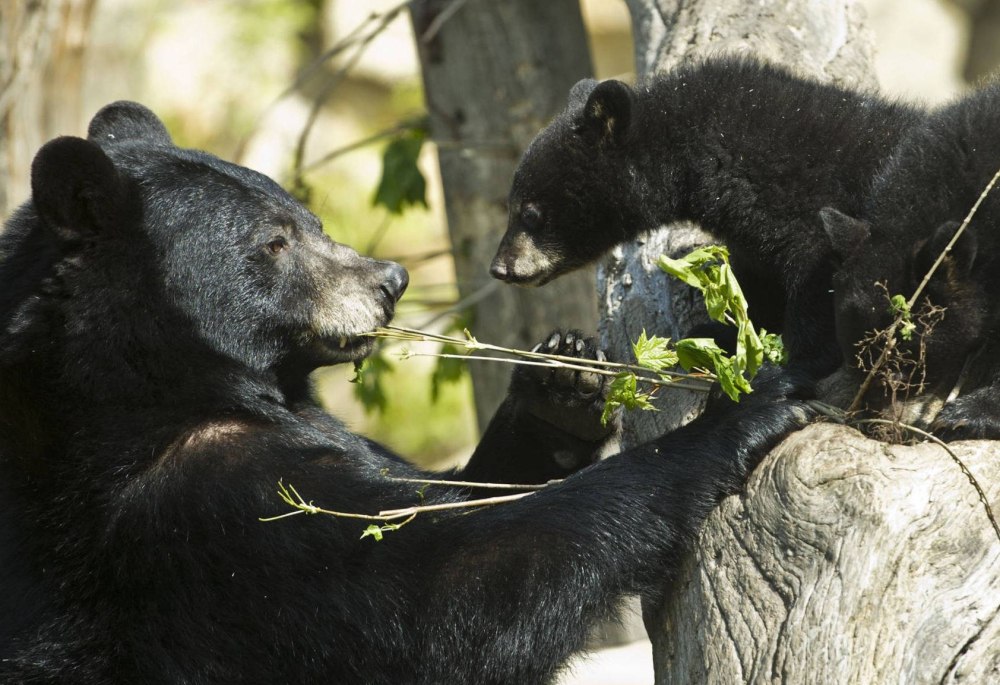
{"x":343,"y":341}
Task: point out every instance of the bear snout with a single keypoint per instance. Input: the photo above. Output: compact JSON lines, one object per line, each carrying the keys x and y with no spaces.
{"x":394,"y":281}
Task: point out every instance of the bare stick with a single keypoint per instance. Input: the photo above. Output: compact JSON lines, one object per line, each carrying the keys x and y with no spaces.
{"x":389,"y":514}
{"x":474,"y":484}
{"x":954,"y":239}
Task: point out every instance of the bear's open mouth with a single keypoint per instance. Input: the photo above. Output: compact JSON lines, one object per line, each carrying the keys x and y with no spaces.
{"x":348,"y":347}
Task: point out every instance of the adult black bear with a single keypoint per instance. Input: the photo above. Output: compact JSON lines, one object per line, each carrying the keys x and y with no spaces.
{"x":927,"y":188}
{"x":748,"y":150}
{"x":160,"y":312}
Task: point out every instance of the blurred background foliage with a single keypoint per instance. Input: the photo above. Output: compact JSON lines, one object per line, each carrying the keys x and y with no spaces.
{"x":255,"y":81}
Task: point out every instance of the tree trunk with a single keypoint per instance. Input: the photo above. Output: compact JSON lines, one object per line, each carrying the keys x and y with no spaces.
{"x":41,"y":61}
{"x":847,"y":561}
{"x":494,"y":74}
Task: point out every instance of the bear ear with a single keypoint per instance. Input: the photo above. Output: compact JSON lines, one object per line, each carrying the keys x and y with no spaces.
{"x":606,"y":114}
{"x":579,"y":93}
{"x":961,"y":257}
{"x":124,"y":121}
{"x":845,"y":233}
{"x":75,"y":188}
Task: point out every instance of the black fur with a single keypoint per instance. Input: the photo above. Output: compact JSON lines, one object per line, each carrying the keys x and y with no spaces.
{"x":919,"y":200}
{"x":749,"y":151}
{"x":160,"y":312}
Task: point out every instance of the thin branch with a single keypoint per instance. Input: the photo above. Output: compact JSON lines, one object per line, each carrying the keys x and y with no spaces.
{"x":555,"y":364}
{"x":470,"y":343}
{"x":389,"y":514}
{"x":360,"y":45}
{"x":475,"y":484}
{"x":435,"y":26}
{"x":954,"y":239}
{"x":408,"y":125}
{"x":291,"y":496}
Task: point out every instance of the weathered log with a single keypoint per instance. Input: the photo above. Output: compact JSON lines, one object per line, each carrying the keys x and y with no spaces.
{"x":846,"y":561}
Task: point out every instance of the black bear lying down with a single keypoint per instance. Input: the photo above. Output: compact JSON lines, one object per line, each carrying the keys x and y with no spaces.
{"x":750,"y":151}
{"x":161,"y":310}
{"x":929,"y":185}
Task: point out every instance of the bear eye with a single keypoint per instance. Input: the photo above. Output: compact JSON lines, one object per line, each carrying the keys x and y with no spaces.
{"x":531,"y":216}
{"x":277,"y":245}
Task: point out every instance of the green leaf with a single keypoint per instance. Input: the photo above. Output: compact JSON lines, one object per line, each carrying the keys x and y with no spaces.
{"x":901,"y":310}
{"x":708,"y":270}
{"x":654,"y":353}
{"x":368,"y":381}
{"x":774,"y":347}
{"x":374,"y":531}
{"x":703,"y":353}
{"x":690,"y":268}
{"x":447,"y":370}
{"x":624,"y":393}
{"x":402,"y":184}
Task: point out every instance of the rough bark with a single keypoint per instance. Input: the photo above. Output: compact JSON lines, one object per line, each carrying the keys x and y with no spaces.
{"x":847,"y":561}
{"x":494,"y":74}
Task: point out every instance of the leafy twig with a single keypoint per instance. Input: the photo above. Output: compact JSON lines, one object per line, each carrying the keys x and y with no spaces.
{"x":560,"y":361}
{"x":299,"y":505}
{"x":291,"y":497}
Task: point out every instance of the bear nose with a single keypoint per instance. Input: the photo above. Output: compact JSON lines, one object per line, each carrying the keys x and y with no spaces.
{"x":395,"y":281}
{"x":498,"y":269}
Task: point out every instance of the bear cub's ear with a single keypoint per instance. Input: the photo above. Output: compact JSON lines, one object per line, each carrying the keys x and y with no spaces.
{"x":76,"y":189}
{"x":127,"y":121}
{"x":961,"y":257}
{"x":579,"y":93}
{"x":846,"y":233}
{"x":607,"y":112}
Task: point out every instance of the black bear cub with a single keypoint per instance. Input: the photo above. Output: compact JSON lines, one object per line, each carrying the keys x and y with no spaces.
{"x":919,"y":200}
{"x":748,"y":150}
{"x":160,"y":311}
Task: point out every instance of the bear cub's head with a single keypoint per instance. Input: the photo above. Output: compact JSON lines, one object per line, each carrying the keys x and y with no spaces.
{"x":574,"y":194}
{"x":874,"y":267}
{"x":141,"y":247}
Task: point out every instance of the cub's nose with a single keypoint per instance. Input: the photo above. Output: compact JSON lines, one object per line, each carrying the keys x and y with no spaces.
{"x":394,"y":281}
{"x":498,"y":269}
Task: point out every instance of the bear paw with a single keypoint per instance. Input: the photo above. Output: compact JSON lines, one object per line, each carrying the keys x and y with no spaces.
{"x":569,"y":399}
{"x":975,"y":416}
